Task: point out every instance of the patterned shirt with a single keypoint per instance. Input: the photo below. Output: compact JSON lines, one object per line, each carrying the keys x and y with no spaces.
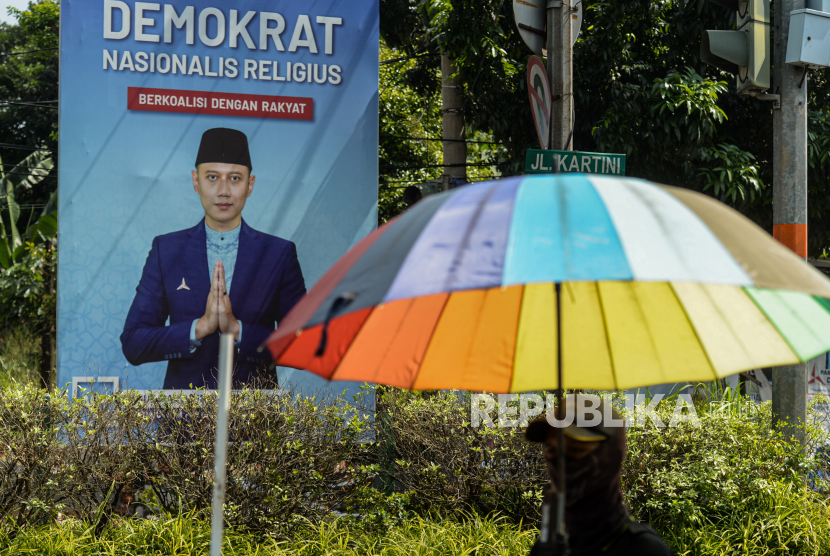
{"x":221,"y":246}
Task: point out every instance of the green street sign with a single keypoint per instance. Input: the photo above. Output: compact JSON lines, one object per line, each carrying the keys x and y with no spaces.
{"x":538,"y":161}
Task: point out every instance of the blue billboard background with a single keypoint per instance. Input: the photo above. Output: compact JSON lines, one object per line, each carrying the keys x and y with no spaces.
{"x":124,"y":175}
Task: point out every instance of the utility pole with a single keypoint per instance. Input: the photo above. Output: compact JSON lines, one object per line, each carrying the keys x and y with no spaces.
{"x":560,"y":72}
{"x":452,"y":112}
{"x":789,"y":191}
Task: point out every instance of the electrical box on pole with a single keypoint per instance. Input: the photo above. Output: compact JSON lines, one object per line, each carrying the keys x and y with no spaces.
{"x":808,"y":43}
{"x":744,"y":51}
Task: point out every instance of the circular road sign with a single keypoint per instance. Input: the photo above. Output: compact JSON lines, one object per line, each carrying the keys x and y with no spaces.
{"x":531,"y":19}
{"x":540,"y":101}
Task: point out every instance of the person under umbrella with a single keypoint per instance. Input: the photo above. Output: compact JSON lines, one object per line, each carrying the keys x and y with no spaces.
{"x":562,"y":281}
{"x":596,"y":519}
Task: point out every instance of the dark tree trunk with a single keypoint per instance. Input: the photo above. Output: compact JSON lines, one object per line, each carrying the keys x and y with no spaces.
{"x":47,"y":331}
{"x":45,"y":371}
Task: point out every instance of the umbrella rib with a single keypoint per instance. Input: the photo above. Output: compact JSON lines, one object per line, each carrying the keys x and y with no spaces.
{"x":352,"y":343}
{"x":431,"y":336}
{"x":398,"y":331}
{"x":476,"y":329}
{"x":516,"y":341}
{"x":665,"y":228}
{"x":389,"y":345}
{"x":607,"y":337}
{"x":694,"y":331}
{"x":772,"y":321}
{"x":647,"y":325}
{"x":465,"y":240}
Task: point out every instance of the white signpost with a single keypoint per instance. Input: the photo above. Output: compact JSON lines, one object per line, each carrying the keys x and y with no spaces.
{"x":531,"y":19}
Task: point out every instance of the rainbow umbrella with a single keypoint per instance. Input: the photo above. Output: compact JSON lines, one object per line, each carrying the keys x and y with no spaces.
{"x":468,"y":290}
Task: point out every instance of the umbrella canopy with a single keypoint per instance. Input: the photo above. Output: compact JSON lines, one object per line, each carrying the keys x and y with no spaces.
{"x":655,"y":284}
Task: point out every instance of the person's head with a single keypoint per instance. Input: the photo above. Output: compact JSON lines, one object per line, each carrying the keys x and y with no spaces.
{"x":223,"y":178}
{"x":594,"y":440}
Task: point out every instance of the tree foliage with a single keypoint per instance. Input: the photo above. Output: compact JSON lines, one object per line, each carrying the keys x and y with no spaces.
{"x":410,"y":148}
{"x":30,"y":78}
{"x":640,"y":88}
{"x":410,"y":106}
{"x":28,"y":187}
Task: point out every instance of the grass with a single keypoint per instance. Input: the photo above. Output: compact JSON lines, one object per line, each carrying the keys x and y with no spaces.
{"x":781,"y":522}
{"x":183,"y":536}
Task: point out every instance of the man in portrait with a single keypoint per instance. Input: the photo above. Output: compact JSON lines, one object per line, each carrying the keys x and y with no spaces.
{"x":219,"y":277}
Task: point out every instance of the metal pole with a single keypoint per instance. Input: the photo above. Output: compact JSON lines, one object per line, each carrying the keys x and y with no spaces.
{"x":560,"y":73}
{"x":560,"y":535}
{"x":789,"y":189}
{"x":452,"y":111}
{"x":225,"y":370}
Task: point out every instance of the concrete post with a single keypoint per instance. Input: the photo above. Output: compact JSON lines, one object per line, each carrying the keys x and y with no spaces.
{"x":789,"y":383}
{"x":452,"y":105}
{"x":789,"y":399}
{"x":560,"y":73}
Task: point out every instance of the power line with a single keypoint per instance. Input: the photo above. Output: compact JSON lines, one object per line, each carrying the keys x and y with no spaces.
{"x":385,"y":186}
{"x":27,"y":52}
{"x":28,"y":104}
{"x":406,"y":181}
{"x":25,"y":174}
{"x":26,"y":167}
{"x":394,"y":60}
{"x":24,"y":147}
{"x":438,"y":140}
{"x":423,"y":180}
{"x":466,"y":165}
{"x":30,"y":206}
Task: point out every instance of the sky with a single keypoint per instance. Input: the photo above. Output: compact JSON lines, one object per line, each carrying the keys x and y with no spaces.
{"x":4,"y":4}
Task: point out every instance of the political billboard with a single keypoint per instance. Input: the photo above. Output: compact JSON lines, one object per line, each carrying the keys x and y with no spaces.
{"x":215,"y":160}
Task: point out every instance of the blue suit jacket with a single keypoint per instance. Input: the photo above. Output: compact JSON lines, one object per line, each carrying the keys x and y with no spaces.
{"x":267,"y":282}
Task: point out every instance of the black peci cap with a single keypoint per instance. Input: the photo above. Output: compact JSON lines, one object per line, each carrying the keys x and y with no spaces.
{"x":537,"y":430}
{"x":224,"y":145}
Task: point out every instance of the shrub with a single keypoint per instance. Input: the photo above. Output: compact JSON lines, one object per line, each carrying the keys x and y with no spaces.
{"x":684,"y":475}
{"x":295,"y":462}
{"x":733,"y":485}
{"x":448,"y":468}
{"x":288,"y":458}
{"x":783,"y":519}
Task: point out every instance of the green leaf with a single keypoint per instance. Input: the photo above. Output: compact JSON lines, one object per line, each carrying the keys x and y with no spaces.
{"x":47,"y":226}
{"x":5,"y":255}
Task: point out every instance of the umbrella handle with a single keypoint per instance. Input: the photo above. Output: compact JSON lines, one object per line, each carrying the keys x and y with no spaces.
{"x":544,"y":528}
{"x":552,"y":542}
{"x":550,"y":545}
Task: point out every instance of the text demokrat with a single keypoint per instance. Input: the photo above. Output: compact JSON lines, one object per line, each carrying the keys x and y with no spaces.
{"x":156,"y":23}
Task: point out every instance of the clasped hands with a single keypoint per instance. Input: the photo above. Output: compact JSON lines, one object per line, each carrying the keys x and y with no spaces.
{"x":218,"y":311}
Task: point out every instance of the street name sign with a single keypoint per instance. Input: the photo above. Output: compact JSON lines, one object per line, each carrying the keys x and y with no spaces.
{"x":540,"y":161}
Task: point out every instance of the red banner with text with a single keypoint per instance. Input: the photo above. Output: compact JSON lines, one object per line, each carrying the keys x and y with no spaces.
{"x":221,"y":104}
